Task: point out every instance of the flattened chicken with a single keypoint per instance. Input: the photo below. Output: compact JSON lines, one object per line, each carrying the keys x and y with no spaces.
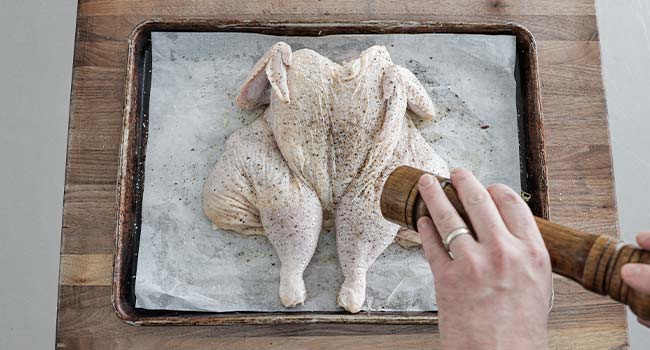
{"x":330,"y":136}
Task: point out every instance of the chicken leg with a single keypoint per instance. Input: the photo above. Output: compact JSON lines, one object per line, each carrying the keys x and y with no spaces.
{"x":251,"y":190}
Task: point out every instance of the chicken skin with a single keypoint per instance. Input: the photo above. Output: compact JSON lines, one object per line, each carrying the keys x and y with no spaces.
{"x":319,"y":156}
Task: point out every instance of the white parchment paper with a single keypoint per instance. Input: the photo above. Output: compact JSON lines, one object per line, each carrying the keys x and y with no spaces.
{"x":183,"y":264}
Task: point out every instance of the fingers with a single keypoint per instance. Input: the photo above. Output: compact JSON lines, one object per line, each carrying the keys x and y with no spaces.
{"x":479,"y":205}
{"x":637,"y":276}
{"x":643,"y":239}
{"x":434,"y":250}
{"x":445,"y":218}
{"x":515,"y":212}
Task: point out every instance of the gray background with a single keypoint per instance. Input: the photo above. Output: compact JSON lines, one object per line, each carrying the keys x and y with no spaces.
{"x":36,"y":46}
{"x":38,"y":128}
{"x":625,"y":54}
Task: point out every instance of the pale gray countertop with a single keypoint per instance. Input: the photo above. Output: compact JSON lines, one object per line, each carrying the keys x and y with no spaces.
{"x":34,"y":95}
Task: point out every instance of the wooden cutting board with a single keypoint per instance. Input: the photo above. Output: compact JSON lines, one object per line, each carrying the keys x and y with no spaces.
{"x":579,"y":178}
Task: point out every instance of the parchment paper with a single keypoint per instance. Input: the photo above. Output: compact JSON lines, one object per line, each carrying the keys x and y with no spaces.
{"x":184,"y":264}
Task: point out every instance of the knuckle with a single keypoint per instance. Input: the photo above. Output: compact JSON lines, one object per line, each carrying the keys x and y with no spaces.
{"x":474,"y":266}
{"x":424,"y":225}
{"x":460,"y":174}
{"x":521,"y":227}
{"x":497,"y":187}
{"x":476,"y":271}
{"x":476,"y":198}
{"x":510,"y":198}
{"x":493,"y":228}
{"x":505,"y":254}
{"x":503,"y":194}
{"x":539,"y":257}
{"x":444,"y":216}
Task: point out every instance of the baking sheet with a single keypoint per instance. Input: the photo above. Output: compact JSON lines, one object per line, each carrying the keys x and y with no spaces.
{"x":183,"y":264}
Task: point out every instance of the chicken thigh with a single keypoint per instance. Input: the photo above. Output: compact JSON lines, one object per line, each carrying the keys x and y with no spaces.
{"x":251,"y":190}
{"x":339,"y":130}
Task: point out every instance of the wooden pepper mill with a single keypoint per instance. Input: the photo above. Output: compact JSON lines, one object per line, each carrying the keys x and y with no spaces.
{"x":594,"y":261}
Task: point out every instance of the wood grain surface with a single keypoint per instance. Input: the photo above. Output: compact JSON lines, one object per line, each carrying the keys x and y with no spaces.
{"x":579,"y":167}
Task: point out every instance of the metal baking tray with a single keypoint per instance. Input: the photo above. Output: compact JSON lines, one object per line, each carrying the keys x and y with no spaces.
{"x":134,"y":142}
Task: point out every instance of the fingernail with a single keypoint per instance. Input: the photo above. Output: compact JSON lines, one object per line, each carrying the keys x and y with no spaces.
{"x":455,"y":170}
{"x":426,"y":180}
{"x":630,"y":270}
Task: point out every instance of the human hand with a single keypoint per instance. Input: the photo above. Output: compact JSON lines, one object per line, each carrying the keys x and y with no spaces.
{"x":637,"y":276}
{"x":495,"y":293}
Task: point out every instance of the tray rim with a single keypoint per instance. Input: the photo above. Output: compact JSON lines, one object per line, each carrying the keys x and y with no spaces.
{"x":125,"y":232}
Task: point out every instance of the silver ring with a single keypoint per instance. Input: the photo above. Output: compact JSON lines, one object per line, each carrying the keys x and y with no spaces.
{"x":455,"y":234}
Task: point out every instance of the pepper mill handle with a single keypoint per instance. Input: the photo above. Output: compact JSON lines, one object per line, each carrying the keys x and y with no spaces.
{"x":594,"y":261}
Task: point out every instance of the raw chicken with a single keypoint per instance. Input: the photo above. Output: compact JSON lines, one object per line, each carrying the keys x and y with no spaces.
{"x":329,"y":138}
{"x":252,"y":191}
